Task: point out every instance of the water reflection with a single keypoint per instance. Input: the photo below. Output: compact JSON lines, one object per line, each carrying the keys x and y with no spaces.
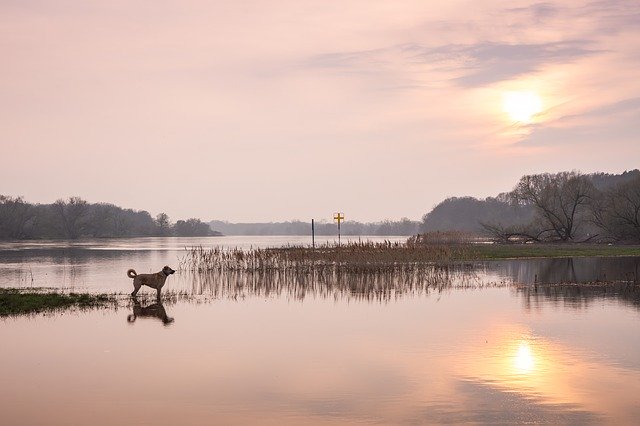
{"x":578,"y":296}
{"x":515,"y":369}
{"x":369,"y":286}
{"x":568,"y":270}
{"x":154,"y":310}
{"x":523,"y":361}
{"x":468,"y":356}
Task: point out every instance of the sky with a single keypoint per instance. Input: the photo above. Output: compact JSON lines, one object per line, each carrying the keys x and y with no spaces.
{"x":292,"y":109}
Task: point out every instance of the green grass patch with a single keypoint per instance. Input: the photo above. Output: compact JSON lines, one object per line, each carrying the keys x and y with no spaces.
{"x":15,"y":301}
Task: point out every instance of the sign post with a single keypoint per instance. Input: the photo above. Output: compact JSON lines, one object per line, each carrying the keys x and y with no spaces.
{"x":338,"y":217}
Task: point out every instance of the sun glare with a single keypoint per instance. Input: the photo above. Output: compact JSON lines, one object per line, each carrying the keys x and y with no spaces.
{"x":521,"y":106}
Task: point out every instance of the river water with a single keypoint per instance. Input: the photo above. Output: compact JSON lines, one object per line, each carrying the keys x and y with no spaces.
{"x":505,"y":342}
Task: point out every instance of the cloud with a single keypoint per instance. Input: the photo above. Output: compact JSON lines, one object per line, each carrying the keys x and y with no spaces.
{"x":537,"y":11}
{"x":472,"y":65}
{"x":612,"y":123}
{"x":485,"y":63}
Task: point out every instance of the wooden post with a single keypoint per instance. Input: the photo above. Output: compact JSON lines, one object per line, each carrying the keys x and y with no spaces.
{"x":339,"y":217}
{"x":313,"y":235}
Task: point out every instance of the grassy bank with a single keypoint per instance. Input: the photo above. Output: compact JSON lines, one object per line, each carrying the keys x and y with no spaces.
{"x":381,"y":257}
{"x":32,"y":301}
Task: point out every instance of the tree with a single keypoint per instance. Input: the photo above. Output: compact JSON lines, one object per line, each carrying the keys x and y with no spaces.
{"x":617,"y":211}
{"x":163,"y":223}
{"x":561,"y":201}
{"x":192,"y":228}
{"x":71,"y":214}
{"x":14,"y":216}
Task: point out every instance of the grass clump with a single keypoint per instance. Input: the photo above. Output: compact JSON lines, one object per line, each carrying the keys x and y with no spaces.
{"x":14,"y":301}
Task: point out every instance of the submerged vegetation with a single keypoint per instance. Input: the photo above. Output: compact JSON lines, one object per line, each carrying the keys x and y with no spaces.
{"x":14,"y":301}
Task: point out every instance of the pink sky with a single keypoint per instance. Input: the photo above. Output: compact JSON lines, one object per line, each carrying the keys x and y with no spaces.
{"x":259,"y":111}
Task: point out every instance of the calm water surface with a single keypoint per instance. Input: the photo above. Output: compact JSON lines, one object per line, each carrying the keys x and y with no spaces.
{"x":528,"y":341}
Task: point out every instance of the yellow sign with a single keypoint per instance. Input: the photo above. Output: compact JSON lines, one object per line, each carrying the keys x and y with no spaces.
{"x":339,"y":217}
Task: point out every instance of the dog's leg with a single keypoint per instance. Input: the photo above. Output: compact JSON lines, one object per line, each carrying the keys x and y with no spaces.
{"x":136,"y":288}
{"x":158,"y":290}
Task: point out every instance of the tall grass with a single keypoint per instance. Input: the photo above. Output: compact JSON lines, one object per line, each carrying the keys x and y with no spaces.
{"x":351,"y":257}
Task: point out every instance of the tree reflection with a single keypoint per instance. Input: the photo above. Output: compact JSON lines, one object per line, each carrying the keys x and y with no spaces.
{"x":578,"y":296}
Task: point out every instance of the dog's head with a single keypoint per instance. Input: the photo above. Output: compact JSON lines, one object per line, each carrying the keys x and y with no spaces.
{"x":168,"y":271}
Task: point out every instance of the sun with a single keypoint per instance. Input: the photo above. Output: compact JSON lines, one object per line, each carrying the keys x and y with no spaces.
{"x":522,"y":106}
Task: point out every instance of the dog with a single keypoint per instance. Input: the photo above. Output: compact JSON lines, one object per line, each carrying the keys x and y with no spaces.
{"x":156,"y":280}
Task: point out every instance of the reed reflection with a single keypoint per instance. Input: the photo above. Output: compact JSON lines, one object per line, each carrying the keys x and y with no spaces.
{"x":154,"y":310}
{"x":371,"y":287}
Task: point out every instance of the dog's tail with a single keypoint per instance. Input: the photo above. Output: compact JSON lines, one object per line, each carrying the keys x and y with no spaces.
{"x":131,"y":273}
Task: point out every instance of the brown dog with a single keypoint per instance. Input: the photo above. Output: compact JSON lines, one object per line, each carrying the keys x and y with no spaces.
{"x":151,"y":280}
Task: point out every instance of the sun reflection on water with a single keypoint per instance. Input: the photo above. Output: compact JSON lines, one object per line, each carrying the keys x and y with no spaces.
{"x":524,"y":361}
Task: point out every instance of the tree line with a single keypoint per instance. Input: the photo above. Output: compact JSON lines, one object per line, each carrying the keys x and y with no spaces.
{"x":550,"y":207}
{"x":403,"y":226}
{"x":76,"y":218}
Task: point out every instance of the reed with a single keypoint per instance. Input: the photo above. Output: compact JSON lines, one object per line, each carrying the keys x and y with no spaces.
{"x":351,"y":257}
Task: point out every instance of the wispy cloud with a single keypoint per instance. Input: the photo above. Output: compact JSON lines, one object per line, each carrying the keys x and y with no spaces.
{"x":488,"y":62}
{"x":620,"y":126}
{"x":538,"y":11}
{"x":470,"y":65}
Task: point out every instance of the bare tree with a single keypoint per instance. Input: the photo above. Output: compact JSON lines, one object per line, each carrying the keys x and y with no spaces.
{"x":14,"y":215}
{"x":617,"y":211}
{"x":71,"y":214}
{"x":561,"y":201}
{"x":163,"y":223}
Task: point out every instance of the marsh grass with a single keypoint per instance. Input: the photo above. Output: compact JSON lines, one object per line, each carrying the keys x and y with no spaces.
{"x":15,"y":301}
{"x":356,"y":257}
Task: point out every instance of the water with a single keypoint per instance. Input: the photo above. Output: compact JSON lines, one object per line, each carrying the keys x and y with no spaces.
{"x":100,"y":265}
{"x":500,"y":345}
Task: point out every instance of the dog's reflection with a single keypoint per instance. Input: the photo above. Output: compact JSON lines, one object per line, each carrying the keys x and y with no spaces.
{"x":155,"y":310}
